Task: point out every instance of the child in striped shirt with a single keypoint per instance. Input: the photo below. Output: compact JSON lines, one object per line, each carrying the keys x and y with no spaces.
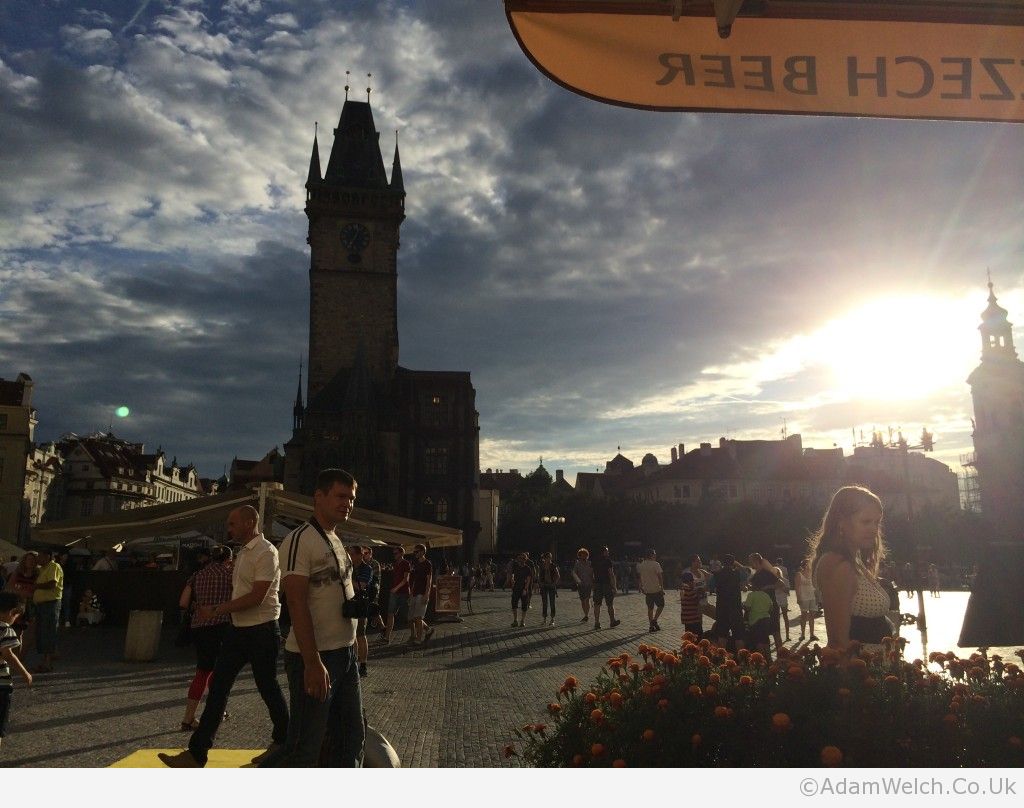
{"x":11,"y":607}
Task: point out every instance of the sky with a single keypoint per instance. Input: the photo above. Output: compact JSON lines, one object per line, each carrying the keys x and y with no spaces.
{"x":610,"y":277}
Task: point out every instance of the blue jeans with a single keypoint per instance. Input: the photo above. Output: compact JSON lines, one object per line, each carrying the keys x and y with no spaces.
{"x":258,"y":646}
{"x":334,"y":726}
{"x":547,"y":599}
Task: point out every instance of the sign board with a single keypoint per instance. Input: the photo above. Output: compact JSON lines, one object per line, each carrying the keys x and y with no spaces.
{"x":838,"y":58}
{"x":447,"y":594}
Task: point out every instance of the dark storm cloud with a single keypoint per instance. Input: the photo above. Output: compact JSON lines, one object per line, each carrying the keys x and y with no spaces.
{"x":581,"y":260}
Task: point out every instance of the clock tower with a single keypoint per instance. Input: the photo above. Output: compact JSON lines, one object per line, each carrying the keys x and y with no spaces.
{"x":354,"y":216}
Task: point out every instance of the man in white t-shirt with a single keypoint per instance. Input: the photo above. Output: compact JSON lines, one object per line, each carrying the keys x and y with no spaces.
{"x":320,"y":656}
{"x":652,"y":584}
{"x":253,"y":638}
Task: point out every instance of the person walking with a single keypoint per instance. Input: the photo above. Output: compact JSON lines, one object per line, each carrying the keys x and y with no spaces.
{"x":583,"y":575}
{"x":692,"y":592}
{"x":604,"y":588}
{"x":320,"y":658}
{"x":806,"y":599}
{"x":254,"y":639}
{"x":548,"y":577}
{"x":366,"y":588}
{"x":398,"y":595}
{"x":652,"y":584}
{"x":210,"y":585}
{"x":22,"y":582}
{"x":420,"y":582}
{"x":728,"y":585}
{"x":521,"y":576}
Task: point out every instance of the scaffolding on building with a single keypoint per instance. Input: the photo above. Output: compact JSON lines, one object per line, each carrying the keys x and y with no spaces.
{"x":970,"y":493}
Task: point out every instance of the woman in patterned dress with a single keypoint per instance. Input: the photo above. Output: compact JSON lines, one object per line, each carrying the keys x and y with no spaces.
{"x":845,"y":554}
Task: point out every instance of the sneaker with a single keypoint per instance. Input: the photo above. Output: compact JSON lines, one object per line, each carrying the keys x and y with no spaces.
{"x":597,"y":626}
{"x":584,"y":619}
{"x":552,"y":621}
{"x":265,"y":754}
{"x":652,"y":629}
{"x":656,"y":626}
{"x":362,"y":669}
{"x":182,"y":760}
{"x":515,"y":624}
{"x":614,"y":623}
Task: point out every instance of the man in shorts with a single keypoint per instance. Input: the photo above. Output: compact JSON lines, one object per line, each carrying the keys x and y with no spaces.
{"x":521,"y":577}
{"x":652,"y":584}
{"x":398,"y":595}
{"x":583,"y":575}
{"x":604,"y":587}
{"x":419,"y":583}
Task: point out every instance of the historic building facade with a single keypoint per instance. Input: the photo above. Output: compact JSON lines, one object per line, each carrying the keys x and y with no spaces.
{"x":997,"y":389}
{"x":410,"y":437}
{"x":17,"y":430}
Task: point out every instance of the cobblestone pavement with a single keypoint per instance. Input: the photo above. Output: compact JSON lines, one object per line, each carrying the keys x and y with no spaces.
{"x":451,"y":703}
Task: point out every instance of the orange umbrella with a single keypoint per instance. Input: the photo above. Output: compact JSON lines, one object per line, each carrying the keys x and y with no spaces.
{"x":936,"y":59}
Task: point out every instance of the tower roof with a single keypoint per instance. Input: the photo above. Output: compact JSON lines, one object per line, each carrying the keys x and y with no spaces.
{"x":356,"y":160}
{"x":397,"y":183}
{"x":313,"y":177}
{"x":994,"y":314}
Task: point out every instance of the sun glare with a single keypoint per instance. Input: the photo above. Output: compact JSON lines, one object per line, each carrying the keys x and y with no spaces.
{"x":901,"y":348}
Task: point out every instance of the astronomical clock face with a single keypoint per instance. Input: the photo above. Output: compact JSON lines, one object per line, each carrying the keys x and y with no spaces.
{"x":355,"y":237}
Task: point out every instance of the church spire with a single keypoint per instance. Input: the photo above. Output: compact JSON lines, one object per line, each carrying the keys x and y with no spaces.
{"x":397,"y":183}
{"x":996,"y":330}
{"x":298,"y":411}
{"x":313,"y":178}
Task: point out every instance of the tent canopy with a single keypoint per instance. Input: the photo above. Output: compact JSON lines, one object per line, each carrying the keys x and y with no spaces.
{"x":934,"y":59}
{"x":363,"y":527}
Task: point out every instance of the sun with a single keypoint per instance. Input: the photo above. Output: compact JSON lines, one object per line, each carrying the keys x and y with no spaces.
{"x":900,"y":348}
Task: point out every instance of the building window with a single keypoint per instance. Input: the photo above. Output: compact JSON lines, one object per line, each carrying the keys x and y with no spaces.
{"x":428,"y":508}
{"x":442,"y":510}
{"x":435,"y":460}
{"x":435,"y":410}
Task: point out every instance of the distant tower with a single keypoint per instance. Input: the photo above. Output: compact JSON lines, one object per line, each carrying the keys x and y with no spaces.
{"x":298,"y":411}
{"x":354,"y":216}
{"x":997,"y":388}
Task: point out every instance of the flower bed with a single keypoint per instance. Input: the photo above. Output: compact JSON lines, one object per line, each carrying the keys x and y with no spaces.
{"x":703,"y":706}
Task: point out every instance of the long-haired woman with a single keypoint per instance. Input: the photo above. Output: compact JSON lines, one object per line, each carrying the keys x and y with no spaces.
{"x":845,"y":554}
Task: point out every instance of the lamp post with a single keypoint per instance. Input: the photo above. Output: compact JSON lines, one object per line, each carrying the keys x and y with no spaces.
{"x":554,"y":522}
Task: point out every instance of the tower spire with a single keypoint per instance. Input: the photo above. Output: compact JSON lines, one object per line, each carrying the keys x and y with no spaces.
{"x":298,"y":411}
{"x":397,"y":182}
{"x":313,"y":177}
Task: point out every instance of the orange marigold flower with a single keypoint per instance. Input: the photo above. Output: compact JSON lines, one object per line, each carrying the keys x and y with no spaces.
{"x":597,"y":749}
{"x":634,"y":667}
{"x":648,"y":735}
{"x":705,"y":643}
{"x":554,"y":709}
{"x":870,"y":681}
{"x":642,"y":649}
{"x":689,"y":636}
{"x":704,"y":661}
{"x":890,"y":679}
{"x":711,"y":690}
{"x":662,"y":704}
{"x":743,"y":654}
{"x":624,"y":678}
{"x":695,"y":739}
{"x":590,"y":698}
{"x":781,"y":722}
{"x":694,"y":690}
{"x":618,"y":763}
{"x":615,"y":698}
{"x":660,"y":679}
{"x":509,"y":751}
{"x":731,"y":664}
{"x":571,"y":683}
{"x":831,"y":756}
{"x":648,"y":667}
{"x":539,"y":728}
{"x":757,"y":658}
{"x":714,"y":678}
{"x":597,"y":716}
{"x":578,"y":760}
{"x":721,"y":712}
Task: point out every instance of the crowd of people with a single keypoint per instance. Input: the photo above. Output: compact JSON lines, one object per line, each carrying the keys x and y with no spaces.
{"x":333,"y":597}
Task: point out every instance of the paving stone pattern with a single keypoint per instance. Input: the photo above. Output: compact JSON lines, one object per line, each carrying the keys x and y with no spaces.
{"x":451,"y":703}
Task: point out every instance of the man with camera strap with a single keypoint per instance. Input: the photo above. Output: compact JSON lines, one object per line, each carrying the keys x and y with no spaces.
{"x":320,"y":656}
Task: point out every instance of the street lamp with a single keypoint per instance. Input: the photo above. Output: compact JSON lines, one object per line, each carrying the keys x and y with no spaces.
{"x":553,"y":521}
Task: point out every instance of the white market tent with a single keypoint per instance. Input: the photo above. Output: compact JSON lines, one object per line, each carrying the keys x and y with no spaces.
{"x":273,"y":503}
